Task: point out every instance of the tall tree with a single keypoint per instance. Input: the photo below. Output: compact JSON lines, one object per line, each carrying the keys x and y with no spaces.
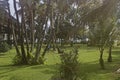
{"x":104,"y":24}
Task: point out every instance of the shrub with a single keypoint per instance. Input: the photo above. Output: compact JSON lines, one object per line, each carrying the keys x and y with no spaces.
{"x":17,"y":60}
{"x":69,"y":67}
{"x":4,"y":47}
{"x":118,"y":78}
{"x":32,"y":61}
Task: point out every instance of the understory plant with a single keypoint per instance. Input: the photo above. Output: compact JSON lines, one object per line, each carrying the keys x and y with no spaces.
{"x":4,"y":47}
{"x":69,"y":67}
{"x":18,"y":60}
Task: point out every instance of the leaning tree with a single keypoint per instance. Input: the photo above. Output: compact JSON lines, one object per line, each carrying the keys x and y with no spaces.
{"x":101,"y":23}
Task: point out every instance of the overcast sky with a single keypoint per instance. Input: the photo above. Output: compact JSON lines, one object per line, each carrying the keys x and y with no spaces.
{"x":11,"y":7}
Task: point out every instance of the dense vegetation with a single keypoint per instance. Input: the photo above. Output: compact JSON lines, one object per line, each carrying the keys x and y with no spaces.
{"x":4,"y":47}
{"x":49,"y":37}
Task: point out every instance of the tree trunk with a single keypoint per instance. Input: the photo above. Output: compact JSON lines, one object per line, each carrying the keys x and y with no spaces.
{"x":47,"y":47}
{"x":71,"y":43}
{"x":24,"y":57}
{"x":13,"y":30}
{"x":15,"y":41}
{"x":38,"y":49}
{"x":9,"y":26}
{"x":53,"y":39}
{"x":27,"y":42}
{"x":110,"y":54}
{"x":101,"y":61}
{"x":41,"y":34}
{"x":27,"y":45}
{"x":32,"y":31}
{"x":17,"y":17}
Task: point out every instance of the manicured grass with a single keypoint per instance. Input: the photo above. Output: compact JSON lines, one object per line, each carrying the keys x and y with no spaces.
{"x":89,"y":66}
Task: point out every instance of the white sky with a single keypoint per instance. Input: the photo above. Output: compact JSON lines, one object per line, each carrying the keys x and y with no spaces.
{"x":12,"y":7}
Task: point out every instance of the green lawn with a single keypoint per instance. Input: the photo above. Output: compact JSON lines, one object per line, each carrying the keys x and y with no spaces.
{"x":89,"y":67}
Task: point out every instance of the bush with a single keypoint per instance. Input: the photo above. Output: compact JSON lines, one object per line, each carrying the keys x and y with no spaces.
{"x":17,"y":60}
{"x":69,"y":67}
{"x":33,"y":62}
{"x":4,"y":47}
{"x":118,"y":78}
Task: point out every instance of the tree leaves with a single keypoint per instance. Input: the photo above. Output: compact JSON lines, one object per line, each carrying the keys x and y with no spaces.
{"x":106,"y":10}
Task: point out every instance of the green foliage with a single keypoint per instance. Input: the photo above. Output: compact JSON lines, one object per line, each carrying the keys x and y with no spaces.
{"x":41,"y":60}
{"x":102,"y":31}
{"x":69,"y":68}
{"x":118,"y":78}
{"x":32,"y":61}
{"x":17,"y":60}
{"x":4,"y":47}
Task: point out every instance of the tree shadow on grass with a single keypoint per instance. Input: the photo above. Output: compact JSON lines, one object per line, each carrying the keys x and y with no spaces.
{"x":116,"y":53}
{"x":116,"y":58}
{"x":9,"y":68}
{"x":47,"y":69}
{"x":89,"y":67}
{"x":94,"y":68}
{"x":50,"y":66}
{"x":2,"y":55}
{"x":85,"y":68}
